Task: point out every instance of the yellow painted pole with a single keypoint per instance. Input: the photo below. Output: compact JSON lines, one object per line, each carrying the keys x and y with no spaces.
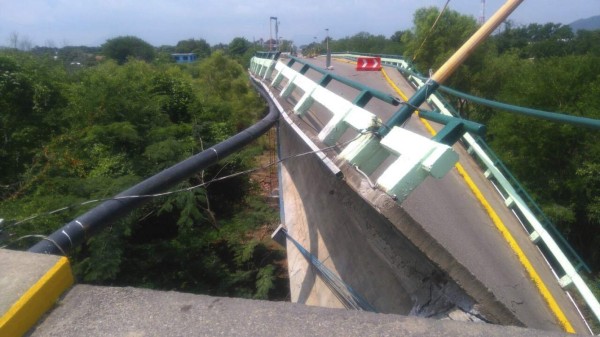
{"x":450,"y":66}
{"x":468,"y":47}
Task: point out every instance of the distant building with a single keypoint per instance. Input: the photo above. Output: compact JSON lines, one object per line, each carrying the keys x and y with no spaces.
{"x":184,"y":57}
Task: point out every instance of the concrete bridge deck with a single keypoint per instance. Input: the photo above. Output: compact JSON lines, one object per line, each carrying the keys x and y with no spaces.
{"x":445,"y":209}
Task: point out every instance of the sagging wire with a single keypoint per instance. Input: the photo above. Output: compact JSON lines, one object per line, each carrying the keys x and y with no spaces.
{"x":43,"y":237}
{"x":39,"y":236}
{"x":373,"y":186}
{"x":181,"y":190}
{"x":430,"y":30}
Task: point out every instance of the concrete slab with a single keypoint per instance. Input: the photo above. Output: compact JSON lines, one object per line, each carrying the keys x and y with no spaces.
{"x":107,"y":311}
{"x":30,"y":284}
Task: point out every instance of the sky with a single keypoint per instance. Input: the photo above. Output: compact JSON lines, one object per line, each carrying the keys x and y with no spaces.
{"x":59,"y":23}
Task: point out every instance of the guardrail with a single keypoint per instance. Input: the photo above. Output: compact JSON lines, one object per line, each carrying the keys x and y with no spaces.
{"x":421,"y":156}
{"x":540,"y":229}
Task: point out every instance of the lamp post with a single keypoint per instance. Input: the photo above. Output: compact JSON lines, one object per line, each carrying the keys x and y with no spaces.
{"x":328,"y":57}
{"x":271,"y":31}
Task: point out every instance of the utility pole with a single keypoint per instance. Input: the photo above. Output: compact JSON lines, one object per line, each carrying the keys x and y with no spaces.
{"x":277,"y":34}
{"x":271,"y":32}
{"x":328,"y":57}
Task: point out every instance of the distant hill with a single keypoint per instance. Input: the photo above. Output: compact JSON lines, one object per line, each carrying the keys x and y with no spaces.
{"x":592,"y":23}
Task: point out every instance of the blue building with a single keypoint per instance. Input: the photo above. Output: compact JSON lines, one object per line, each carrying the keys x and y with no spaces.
{"x":184,"y":57}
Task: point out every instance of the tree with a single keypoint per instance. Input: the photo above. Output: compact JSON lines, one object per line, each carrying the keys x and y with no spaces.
{"x":67,"y":139}
{"x":123,"y":47}
{"x":587,"y":42}
{"x":238,"y":46}
{"x":363,"y":42}
{"x":199,"y":47}
{"x":536,"y":40}
{"x":398,"y":41}
{"x":30,"y":97}
{"x":243,"y":50}
{"x":432,"y":45}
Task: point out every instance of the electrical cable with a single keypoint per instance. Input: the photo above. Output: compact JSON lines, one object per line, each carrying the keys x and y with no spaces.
{"x":431,"y":30}
{"x":186,"y":189}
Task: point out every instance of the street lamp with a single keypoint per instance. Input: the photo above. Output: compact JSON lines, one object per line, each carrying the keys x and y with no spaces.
{"x":328,"y":57}
{"x":271,"y":31}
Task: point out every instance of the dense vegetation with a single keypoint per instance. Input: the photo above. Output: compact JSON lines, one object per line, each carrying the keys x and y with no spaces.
{"x":71,"y":133}
{"x":80,"y":123}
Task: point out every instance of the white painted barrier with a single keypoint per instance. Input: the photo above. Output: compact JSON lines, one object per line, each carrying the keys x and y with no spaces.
{"x":419,"y":156}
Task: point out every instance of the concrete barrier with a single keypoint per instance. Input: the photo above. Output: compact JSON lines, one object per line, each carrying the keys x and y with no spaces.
{"x":30,"y":284}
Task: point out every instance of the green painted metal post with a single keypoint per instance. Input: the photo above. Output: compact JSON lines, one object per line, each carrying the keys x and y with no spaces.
{"x":325,"y":80}
{"x":404,"y":113}
{"x":363,"y":98}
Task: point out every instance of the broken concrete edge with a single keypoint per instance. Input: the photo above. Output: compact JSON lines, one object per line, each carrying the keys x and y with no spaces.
{"x":489,"y":305}
{"x":37,"y":300}
{"x":113,"y":311}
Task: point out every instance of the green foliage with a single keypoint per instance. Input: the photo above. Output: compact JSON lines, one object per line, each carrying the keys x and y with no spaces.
{"x":265,"y":281}
{"x":199,"y":47}
{"x":225,"y":91}
{"x":243,"y":50}
{"x":238,"y":46}
{"x":175,"y":90}
{"x":30,"y":95}
{"x":123,"y":47}
{"x":535,"y":40}
{"x":430,"y":48}
{"x":68,"y":138}
{"x":362,"y":42}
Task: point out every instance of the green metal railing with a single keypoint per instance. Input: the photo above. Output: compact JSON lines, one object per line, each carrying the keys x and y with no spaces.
{"x":551,"y":116}
{"x":365,"y":92}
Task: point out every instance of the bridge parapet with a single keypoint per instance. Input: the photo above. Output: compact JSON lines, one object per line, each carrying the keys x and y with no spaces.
{"x":538,"y":226}
{"x":565,"y":272}
{"x":420,"y":156}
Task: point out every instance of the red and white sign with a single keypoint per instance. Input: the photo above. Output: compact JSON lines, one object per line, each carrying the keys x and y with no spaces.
{"x":368,"y":63}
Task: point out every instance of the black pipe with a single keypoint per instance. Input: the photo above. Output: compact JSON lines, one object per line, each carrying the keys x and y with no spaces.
{"x":83,"y":227}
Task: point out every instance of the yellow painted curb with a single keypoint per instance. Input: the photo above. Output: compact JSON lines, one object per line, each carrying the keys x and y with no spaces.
{"x":28,"y":309}
{"x":537,"y":280}
{"x":343,"y":60}
{"x":393,"y":85}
